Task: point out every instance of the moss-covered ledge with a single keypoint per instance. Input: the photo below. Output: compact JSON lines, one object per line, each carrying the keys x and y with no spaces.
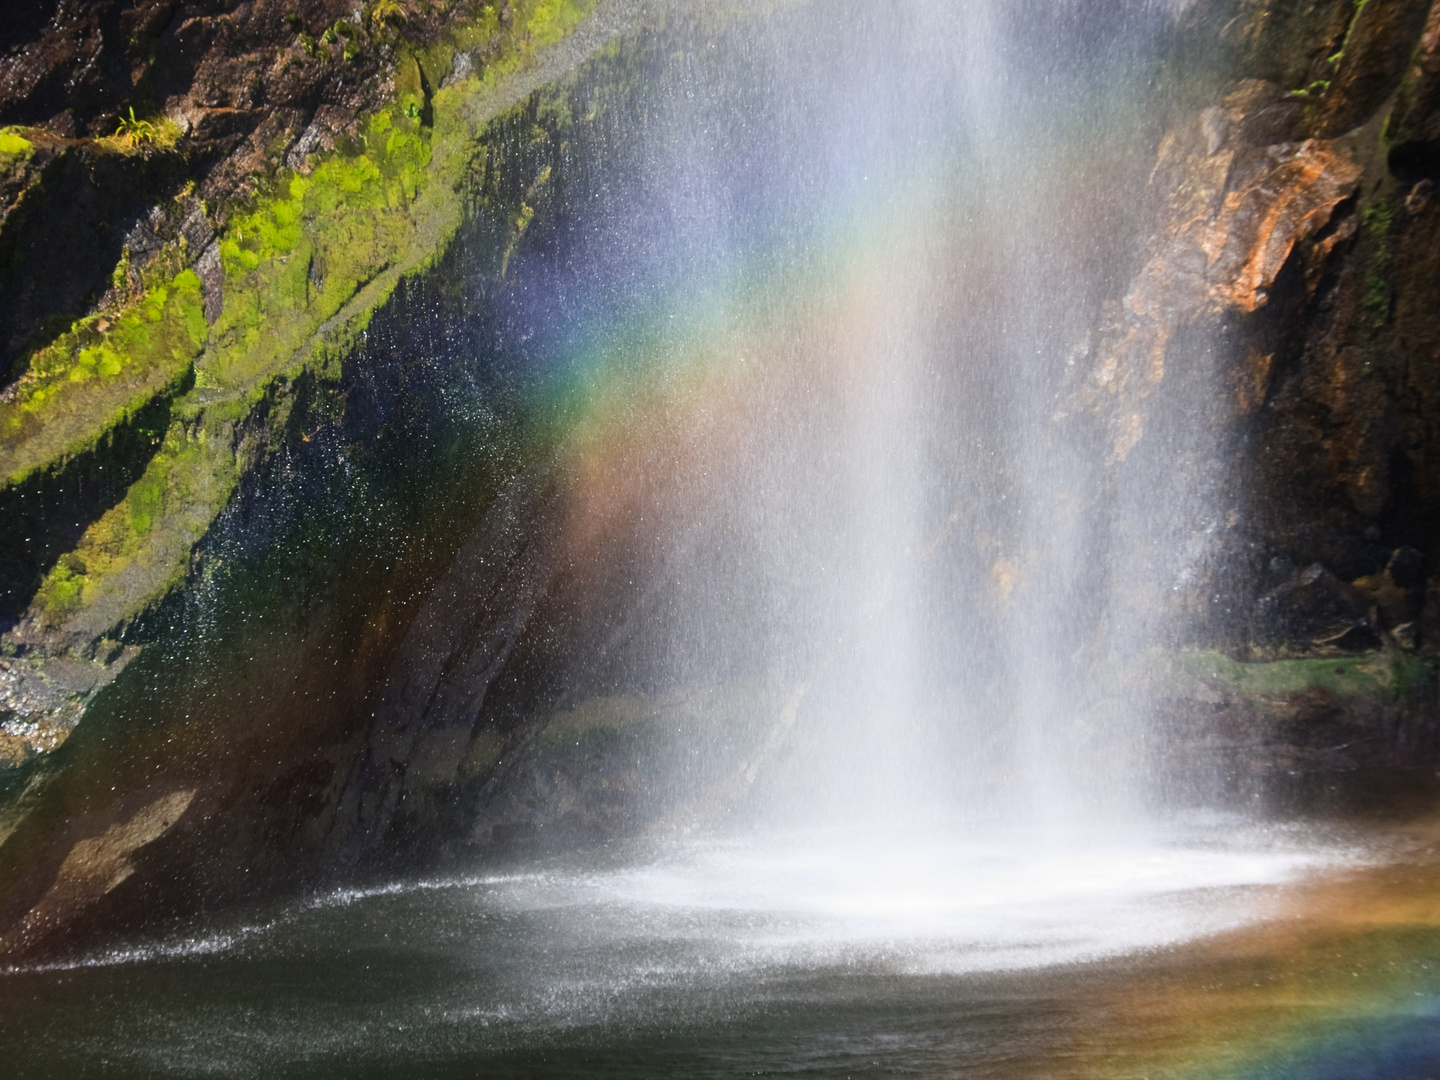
{"x":1262,"y":729}
{"x":279,"y":298}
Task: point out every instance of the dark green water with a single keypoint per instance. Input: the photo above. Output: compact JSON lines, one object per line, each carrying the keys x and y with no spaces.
{"x":814,"y":955}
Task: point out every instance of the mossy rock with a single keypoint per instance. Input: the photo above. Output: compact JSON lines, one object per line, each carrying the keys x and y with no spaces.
{"x":301,"y":269}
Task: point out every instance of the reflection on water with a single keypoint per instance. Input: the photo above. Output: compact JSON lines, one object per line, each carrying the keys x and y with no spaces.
{"x":1280,"y":953}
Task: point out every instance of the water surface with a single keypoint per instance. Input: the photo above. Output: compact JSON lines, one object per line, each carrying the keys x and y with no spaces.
{"x":1278,"y":952}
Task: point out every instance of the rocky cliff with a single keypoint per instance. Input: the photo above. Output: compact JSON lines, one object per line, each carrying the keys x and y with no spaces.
{"x":170,"y":283}
{"x":1300,"y":234}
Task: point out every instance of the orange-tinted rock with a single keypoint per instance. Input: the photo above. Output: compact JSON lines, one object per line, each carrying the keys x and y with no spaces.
{"x":1296,"y":271}
{"x":1234,"y":215}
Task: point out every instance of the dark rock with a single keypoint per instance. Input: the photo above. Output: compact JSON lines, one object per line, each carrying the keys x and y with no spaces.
{"x":197,"y":231}
{"x":1259,"y":731}
{"x":1375,"y":53}
{"x":462,"y":67}
{"x":514,"y":834}
{"x":1315,"y":607}
{"x":310,"y":140}
{"x":1361,"y":637}
{"x":1262,"y":113}
{"x":1280,"y":122}
{"x":1415,"y":161}
{"x":1407,"y":568}
{"x":211,"y":271}
{"x":1281,"y":568}
{"x":1407,"y":636}
{"x":1418,"y":200}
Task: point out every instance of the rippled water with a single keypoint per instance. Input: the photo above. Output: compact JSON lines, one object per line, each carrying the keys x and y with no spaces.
{"x":813,"y":954}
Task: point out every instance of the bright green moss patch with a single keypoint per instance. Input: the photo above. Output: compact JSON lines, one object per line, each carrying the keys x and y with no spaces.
{"x":60,"y":593}
{"x":140,"y":548}
{"x":166,"y":327}
{"x":295,"y":259}
{"x":100,"y":371}
{"x":15,"y":146}
{"x":299,"y":255}
{"x":292,"y":261}
{"x":551,"y":20}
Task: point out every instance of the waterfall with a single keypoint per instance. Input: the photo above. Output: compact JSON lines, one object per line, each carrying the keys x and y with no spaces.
{"x":757,"y":601}
{"x":854,"y":286}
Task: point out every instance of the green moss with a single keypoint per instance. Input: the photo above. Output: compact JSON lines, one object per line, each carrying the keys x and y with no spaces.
{"x":353,"y":215}
{"x":140,"y":548}
{"x":145,"y":501}
{"x":379,"y":12}
{"x":1386,"y":675}
{"x":1378,"y":217}
{"x":305,"y":264}
{"x":15,"y":146}
{"x":101,"y":370}
{"x":357,"y":214}
{"x":1395,"y":129}
{"x":59,"y":593}
{"x":551,"y":20}
{"x":120,"y":276}
{"x":1376,"y":223}
{"x":1376,"y":300}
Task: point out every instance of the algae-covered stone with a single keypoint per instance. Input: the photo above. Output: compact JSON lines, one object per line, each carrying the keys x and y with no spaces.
{"x":376,"y":209}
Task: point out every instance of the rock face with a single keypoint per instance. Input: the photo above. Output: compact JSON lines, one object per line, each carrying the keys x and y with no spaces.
{"x":1293,"y":276}
{"x":1234,"y":215}
{"x":1298,"y":232}
{"x":152,"y":376}
{"x":1333,"y":397}
{"x":227,"y":89}
{"x":210,"y":351}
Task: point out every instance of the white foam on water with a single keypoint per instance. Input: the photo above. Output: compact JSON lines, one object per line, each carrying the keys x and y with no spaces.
{"x":935,"y":904}
{"x":699,"y":932}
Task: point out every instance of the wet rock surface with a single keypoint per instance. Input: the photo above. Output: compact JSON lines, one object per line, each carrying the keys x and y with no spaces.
{"x":1299,"y":230}
{"x":89,"y":419}
{"x":219,"y":150}
{"x":1322,"y":734}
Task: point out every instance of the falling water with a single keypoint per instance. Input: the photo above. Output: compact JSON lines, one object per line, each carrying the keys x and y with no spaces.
{"x":874,"y":252}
